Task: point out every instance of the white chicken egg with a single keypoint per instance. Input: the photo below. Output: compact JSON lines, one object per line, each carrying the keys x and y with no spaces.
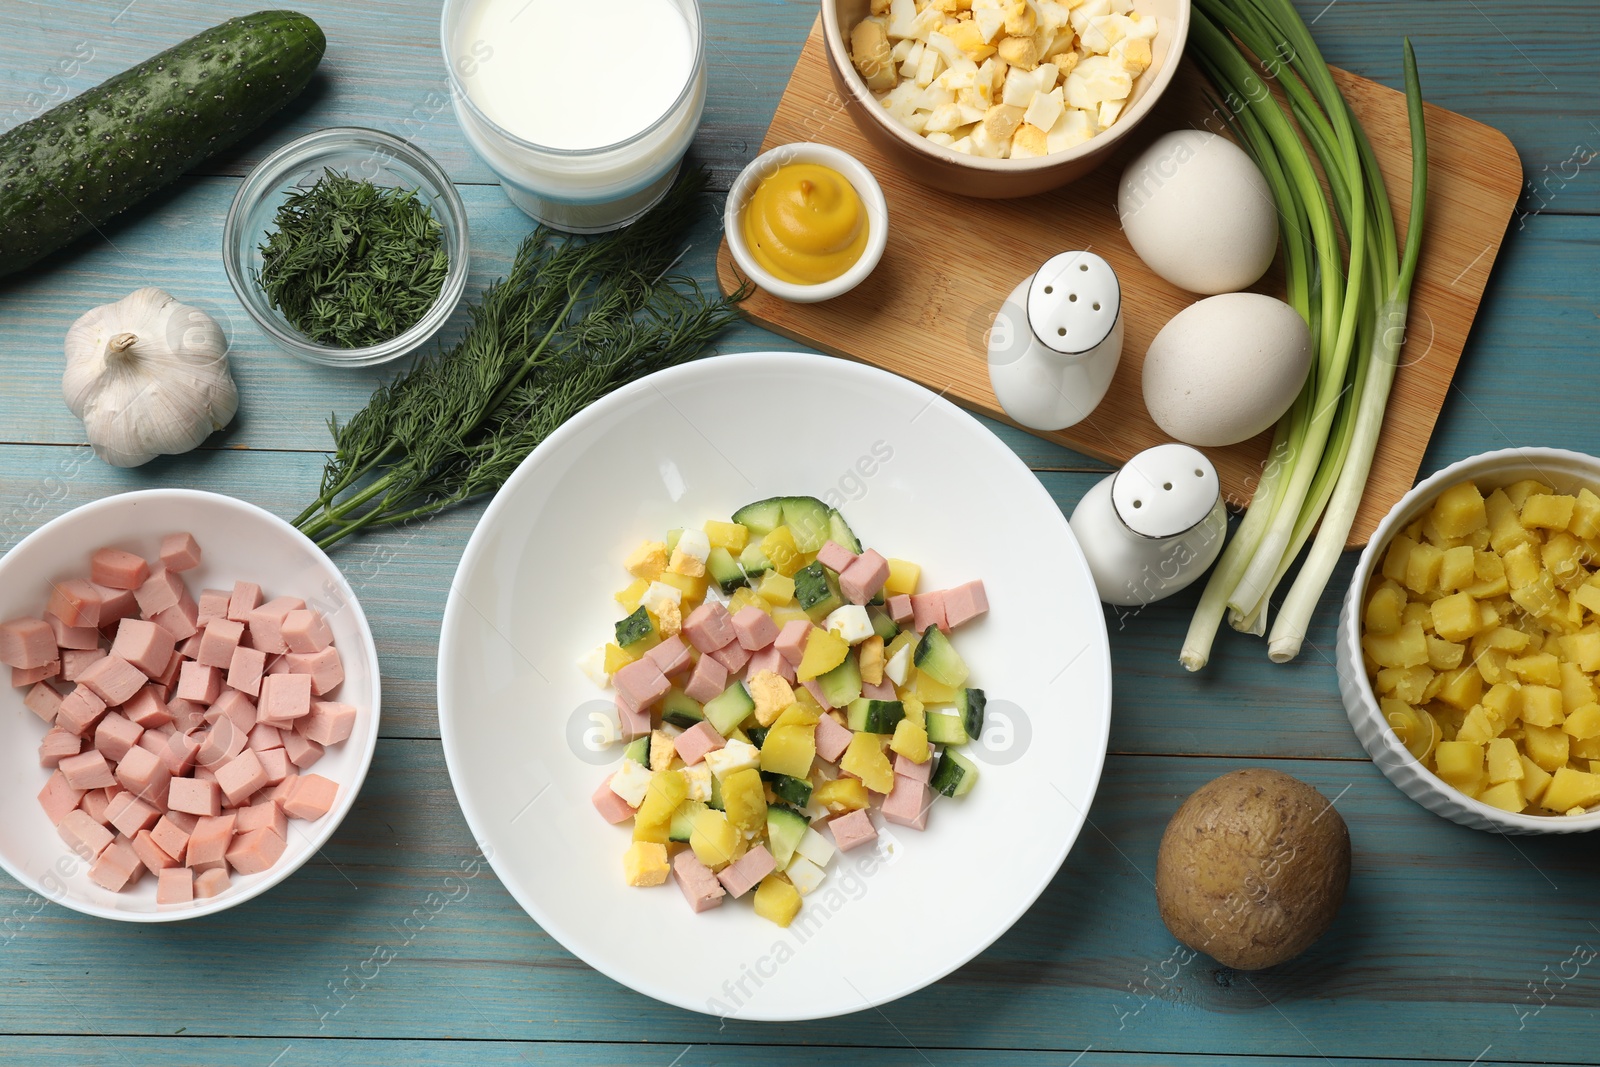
{"x":1198,"y":212}
{"x":1226,"y":368}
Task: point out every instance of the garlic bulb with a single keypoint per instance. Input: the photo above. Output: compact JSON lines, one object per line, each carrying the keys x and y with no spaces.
{"x":148,"y":376}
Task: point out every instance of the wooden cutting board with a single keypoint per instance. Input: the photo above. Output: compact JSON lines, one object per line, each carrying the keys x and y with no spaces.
{"x":951,"y":261}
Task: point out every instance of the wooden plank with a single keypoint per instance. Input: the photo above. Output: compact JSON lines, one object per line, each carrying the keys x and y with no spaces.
{"x":925,"y":312}
{"x":1089,"y":965}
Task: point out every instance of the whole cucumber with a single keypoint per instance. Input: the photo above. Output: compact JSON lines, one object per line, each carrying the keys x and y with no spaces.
{"x":72,"y":168}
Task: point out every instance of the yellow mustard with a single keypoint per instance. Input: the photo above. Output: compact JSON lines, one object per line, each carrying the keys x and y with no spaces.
{"x":805,"y":223}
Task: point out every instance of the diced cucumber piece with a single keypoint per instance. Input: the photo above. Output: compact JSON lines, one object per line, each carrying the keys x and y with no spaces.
{"x":724,"y":569}
{"x":683,"y":820}
{"x":840,"y":533}
{"x":946,"y":729}
{"x":758,"y":735}
{"x":842,"y":684}
{"x":634,"y":628}
{"x":761,"y":518}
{"x":955,"y":776}
{"x":753,"y":561}
{"x":879,"y":599}
{"x":882,"y":625}
{"x":672,"y":539}
{"x":796,"y":791}
{"x":816,"y":590}
{"x":785,"y":828}
{"x":807,"y":519}
{"x":638,"y":750}
{"x":936,"y":657}
{"x":680,"y":709}
{"x":716,"y":794}
{"x":875,"y":716}
{"x":727,"y":711}
{"x":969,"y":705}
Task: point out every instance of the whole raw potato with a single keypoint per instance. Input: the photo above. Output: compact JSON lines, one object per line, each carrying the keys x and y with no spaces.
{"x":1252,"y":868}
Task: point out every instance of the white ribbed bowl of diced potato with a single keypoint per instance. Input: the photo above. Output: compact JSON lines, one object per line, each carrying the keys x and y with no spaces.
{"x":1382,"y":700}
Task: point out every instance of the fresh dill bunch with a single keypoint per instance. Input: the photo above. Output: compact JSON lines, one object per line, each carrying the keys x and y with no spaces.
{"x":574,"y":319}
{"x":352,"y":264}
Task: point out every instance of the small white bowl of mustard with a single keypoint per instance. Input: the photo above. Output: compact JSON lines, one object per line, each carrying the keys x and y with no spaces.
{"x":806,"y":222}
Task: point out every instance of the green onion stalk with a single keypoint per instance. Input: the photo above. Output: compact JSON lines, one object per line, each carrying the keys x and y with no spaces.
{"x":1351,"y":292}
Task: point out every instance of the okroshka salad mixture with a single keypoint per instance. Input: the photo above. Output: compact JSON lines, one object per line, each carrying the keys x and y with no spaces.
{"x":775,"y":680}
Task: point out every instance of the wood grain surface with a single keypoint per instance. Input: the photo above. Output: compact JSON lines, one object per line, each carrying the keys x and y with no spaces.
{"x":1454,"y":944}
{"x":951,"y":262}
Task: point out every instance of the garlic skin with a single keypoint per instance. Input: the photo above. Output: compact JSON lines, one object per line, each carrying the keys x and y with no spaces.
{"x":148,"y":376}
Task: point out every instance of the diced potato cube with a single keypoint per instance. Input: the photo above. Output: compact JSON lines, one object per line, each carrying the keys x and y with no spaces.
{"x":1404,"y":683}
{"x":1417,"y":612}
{"x":1506,"y":796}
{"x":617,"y":658}
{"x":713,"y":838}
{"x":1455,"y":617}
{"x":629,"y":595}
{"x":745,"y":798}
{"x":645,"y":863}
{"x":1539,"y":597}
{"x":1459,"y":510}
{"x":1457,"y":571}
{"x":1541,"y":705}
{"x":1546,"y":746}
{"x":1519,"y":492}
{"x":776,"y":588}
{"x":1444,"y":655}
{"x":1588,"y":595}
{"x":1479,"y":727}
{"x":1547,"y":511}
{"x":1583,"y":723}
{"x":779,"y":547}
{"x":1462,"y":688}
{"x":1562,"y":556}
{"x":1523,"y":566}
{"x":1570,"y":788}
{"x":1576,"y":687}
{"x":1385,"y":606}
{"x":1535,"y":779}
{"x":777,"y":900}
{"x":1587,"y":748}
{"x":902,"y":580}
{"x":911,"y":741}
{"x":1505,"y":532}
{"x":1539,"y":669}
{"x":864,"y":757}
{"x":841,"y":794}
{"x":1585,"y":516}
{"x":1505,"y":762}
{"x":1459,"y":762}
{"x":1422,"y":568}
{"x":1491,"y":663}
{"x":789,"y":750}
{"x":729,"y":535}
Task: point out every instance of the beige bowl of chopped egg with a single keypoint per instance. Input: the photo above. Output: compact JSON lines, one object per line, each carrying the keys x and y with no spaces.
{"x":1001,"y":98}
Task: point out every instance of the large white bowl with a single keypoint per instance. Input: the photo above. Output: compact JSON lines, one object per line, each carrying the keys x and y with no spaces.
{"x":917,"y":478}
{"x":238,"y":541}
{"x":1566,"y":472}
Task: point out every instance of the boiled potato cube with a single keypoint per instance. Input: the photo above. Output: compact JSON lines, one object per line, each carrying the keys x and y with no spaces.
{"x":902,"y":580}
{"x":1547,"y":746}
{"x":1576,"y":688}
{"x":1541,"y":668}
{"x":841,"y":794}
{"x":1505,"y":532}
{"x":779,"y":547}
{"x":1459,"y":762}
{"x":1455,"y":618}
{"x":1523,"y":566}
{"x":745,"y":798}
{"x":1547,"y":511}
{"x":1491,"y":663}
{"x":865,"y":759}
{"x":789,"y":750}
{"x":1541,"y":705}
{"x":1583,"y":723}
{"x":1585,"y":516}
{"x":667,"y":790}
{"x":1458,"y":569}
{"x":1479,"y":727}
{"x":1404,"y":683}
{"x":1587,"y":748}
{"x":732,"y":536}
{"x":824,"y":651}
{"x":1588,"y":595}
{"x":1422,"y":568}
{"x":1562,"y":556}
{"x":911,"y":741}
{"x":777,"y":899}
{"x":1444,"y":655}
{"x":1395,"y":559}
{"x":1462,"y":688}
{"x":1385,"y":606}
{"x":1506,"y":796}
{"x":713,"y":838}
{"x":776,"y":589}
{"x":1505,"y":762}
{"x":1408,"y":647}
{"x":1459,"y":510}
{"x":1570,"y":788}
{"x":1539,"y":597}
{"x":1535,"y":780}
{"x":798,"y":714}
{"x":1519,"y":492}
{"x":645,"y":863}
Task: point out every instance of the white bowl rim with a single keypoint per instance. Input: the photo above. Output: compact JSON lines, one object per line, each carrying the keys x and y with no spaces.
{"x":1350,"y":622}
{"x":621,"y":396}
{"x":866,"y":187}
{"x":833,"y":30}
{"x":324,"y":827}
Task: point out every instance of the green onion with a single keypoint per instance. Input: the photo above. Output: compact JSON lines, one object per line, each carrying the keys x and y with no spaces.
{"x":1346,"y":279}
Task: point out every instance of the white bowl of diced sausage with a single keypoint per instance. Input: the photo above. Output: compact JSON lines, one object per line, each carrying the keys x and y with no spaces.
{"x":194,"y":704}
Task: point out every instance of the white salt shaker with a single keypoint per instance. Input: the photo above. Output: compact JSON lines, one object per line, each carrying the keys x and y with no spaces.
{"x":1153,"y":527}
{"x":1056,"y":342}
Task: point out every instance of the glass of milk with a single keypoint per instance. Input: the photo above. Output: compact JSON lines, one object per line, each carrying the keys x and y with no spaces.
{"x":582,"y":108}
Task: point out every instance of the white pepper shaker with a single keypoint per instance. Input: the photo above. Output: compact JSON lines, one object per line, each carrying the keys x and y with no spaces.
{"x":1154,"y":526}
{"x":1056,"y":342}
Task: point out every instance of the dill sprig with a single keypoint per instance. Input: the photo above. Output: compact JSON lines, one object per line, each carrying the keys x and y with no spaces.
{"x":353,"y":264}
{"x":572,"y":320}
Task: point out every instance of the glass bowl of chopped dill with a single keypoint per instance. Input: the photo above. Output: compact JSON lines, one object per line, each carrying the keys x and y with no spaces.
{"x":348,"y":247}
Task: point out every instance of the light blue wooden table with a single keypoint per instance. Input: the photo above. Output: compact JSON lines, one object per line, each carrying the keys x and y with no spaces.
{"x":1454,"y":946}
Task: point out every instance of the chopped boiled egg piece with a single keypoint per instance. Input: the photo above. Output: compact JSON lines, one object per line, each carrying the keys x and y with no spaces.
{"x":1073,"y":128}
{"x":1132,"y":54}
{"x":736,"y":755}
{"x":694,"y":543}
{"x":816,"y":848}
{"x":898,"y":666}
{"x":593,"y":665}
{"x":850,"y":622}
{"x":698,"y":778}
{"x":804,"y":875}
{"x":1095,"y":80}
{"x":1043,"y":112}
{"x":659,"y":593}
{"x":631,"y":782}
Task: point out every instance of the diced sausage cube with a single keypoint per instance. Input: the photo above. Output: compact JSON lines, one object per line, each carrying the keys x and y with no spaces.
{"x":79,"y":711}
{"x":117,"y":867}
{"x":882,"y":690}
{"x":144,"y":775}
{"x":852,"y":829}
{"x":240,"y":777}
{"x":210,"y":883}
{"x":199,"y":683}
{"x":175,"y":752}
{"x":159,"y":592}
{"x":180,"y":552}
{"x":115,"y":605}
{"x":745,"y":873}
{"x":633,"y":722}
{"x":254,"y":852}
{"x":217,"y":642}
{"x":907,"y":803}
{"x":151,"y":854}
{"x":183,"y":821}
{"x":325,"y":668}
{"x":733,"y":656}
{"x":237,"y":707}
{"x":75,"y":661}
{"x":245,"y":669}
{"x":329,"y":722}
{"x":266,"y":624}
{"x":284,"y":698}
{"x":817,"y":694}
{"x":693,"y":744}
{"x":129,"y":814}
{"x":96,"y":801}
{"x":143,"y":644}
{"x":832,"y":739}
{"x":670,"y":656}
{"x":74,"y":637}
{"x":221,"y":742}
{"x":264,"y":736}
{"x":194,"y":796}
{"x":27,"y":643}
{"x":964,"y":603}
{"x":87,"y":770}
{"x":863,"y":579}
{"x":173,"y":838}
{"x":244,"y":599}
{"x":76,"y":602}
{"x":835,"y":557}
{"x":213,"y":604}
{"x":44,"y":701}
{"x":639,"y":685}
{"x":115,"y":734}
{"x":175,"y":885}
{"x":147,"y":708}
{"x":900,"y":609}
{"x":113,"y":679}
{"x":770,"y":659}
{"x":263,"y":814}
{"x":700,"y":887}
{"x":791,"y":641}
{"x":917,"y":772}
{"x":275,"y":761}
{"x":754,"y":628}
{"x":306,"y":631}
{"x":117,"y":569}
{"x":22,"y":678}
{"x":209,"y":840}
{"x":709,"y":627}
{"x":612,"y":808}
{"x":56,"y":745}
{"x":83,"y":834}
{"x":311,"y":797}
{"x":180,"y":620}
{"x":168,"y":678}
{"x":57,"y":797}
{"x":708,"y":679}
{"x":301,"y":750}
{"x":927,"y":609}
